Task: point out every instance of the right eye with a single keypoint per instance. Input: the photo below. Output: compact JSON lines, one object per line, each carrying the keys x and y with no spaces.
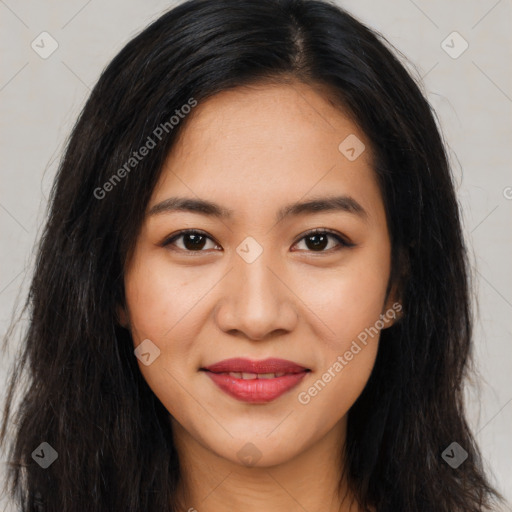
{"x":192,"y":240}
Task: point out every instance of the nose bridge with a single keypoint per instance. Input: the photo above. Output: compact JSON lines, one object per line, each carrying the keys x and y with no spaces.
{"x":254,"y":275}
{"x":255,"y":301}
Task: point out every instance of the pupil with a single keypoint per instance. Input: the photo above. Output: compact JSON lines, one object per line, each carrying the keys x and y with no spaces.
{"x":197,"y":243}
{"x":317,"y":245}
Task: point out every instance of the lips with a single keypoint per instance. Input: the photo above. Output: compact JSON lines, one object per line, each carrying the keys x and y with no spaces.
{"x":255,"y":381}
{"x":241,"y":365}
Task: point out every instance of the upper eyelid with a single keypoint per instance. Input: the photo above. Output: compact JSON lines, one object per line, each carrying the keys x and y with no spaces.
{"x":342,"y":240}
{"x":183,"y":232}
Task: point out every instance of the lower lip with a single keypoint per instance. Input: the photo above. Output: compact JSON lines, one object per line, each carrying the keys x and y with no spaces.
{"x":256,"y":390}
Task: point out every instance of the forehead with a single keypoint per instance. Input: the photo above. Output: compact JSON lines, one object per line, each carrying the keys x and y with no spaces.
{"x":252,"y":147}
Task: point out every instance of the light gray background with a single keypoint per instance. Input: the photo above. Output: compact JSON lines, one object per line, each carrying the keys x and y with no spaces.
{"x":472,"y":94}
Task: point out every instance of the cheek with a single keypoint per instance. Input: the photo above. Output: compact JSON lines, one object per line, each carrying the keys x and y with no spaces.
{"x":159,"y":297}
{"x":148,"y":299}
{"x":350,"y":304}
{"x":158,"y":302}
{"x":158,"y":307}
{"x":347,"y":299}
{"x":357,"y":300}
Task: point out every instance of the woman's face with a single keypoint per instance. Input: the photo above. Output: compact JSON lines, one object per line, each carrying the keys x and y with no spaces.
{"x":253,"y":284}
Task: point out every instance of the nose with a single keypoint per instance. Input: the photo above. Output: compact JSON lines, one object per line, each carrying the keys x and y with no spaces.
{"x":256,"y":300}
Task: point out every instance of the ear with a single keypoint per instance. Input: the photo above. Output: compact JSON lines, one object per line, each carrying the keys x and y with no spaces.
{"x":393,"y":309}
{"x":392,"y":314}
{"x":122,"y":316}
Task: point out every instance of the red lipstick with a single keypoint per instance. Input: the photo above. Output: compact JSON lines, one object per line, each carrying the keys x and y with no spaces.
{"x":255,"y":381}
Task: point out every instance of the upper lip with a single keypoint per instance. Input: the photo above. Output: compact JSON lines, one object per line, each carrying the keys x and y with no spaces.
{"x":271,"y":365}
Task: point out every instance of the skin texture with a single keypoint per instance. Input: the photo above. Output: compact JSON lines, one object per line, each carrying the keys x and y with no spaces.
{"x":254,"y":150}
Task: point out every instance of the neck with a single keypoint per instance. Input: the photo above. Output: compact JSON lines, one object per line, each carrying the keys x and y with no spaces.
{"x":309,"y":481}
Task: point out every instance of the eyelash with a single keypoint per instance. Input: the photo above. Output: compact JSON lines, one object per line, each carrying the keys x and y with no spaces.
{"x":341,"y":240}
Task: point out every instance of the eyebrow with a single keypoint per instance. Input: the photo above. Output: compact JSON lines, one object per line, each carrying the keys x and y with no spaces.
{"x":323,"y":204}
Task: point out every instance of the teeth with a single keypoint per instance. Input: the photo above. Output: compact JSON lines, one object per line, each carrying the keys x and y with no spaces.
{"x":252,"y":376}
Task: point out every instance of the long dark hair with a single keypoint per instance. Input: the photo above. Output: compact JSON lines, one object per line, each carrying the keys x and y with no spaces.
{"x":85,"y":395}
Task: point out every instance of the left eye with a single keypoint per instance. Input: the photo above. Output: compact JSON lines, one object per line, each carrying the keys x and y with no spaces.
{"x":316,"y":240}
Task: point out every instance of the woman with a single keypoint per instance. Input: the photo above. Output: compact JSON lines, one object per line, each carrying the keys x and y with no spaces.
{"x":251,"y":292}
